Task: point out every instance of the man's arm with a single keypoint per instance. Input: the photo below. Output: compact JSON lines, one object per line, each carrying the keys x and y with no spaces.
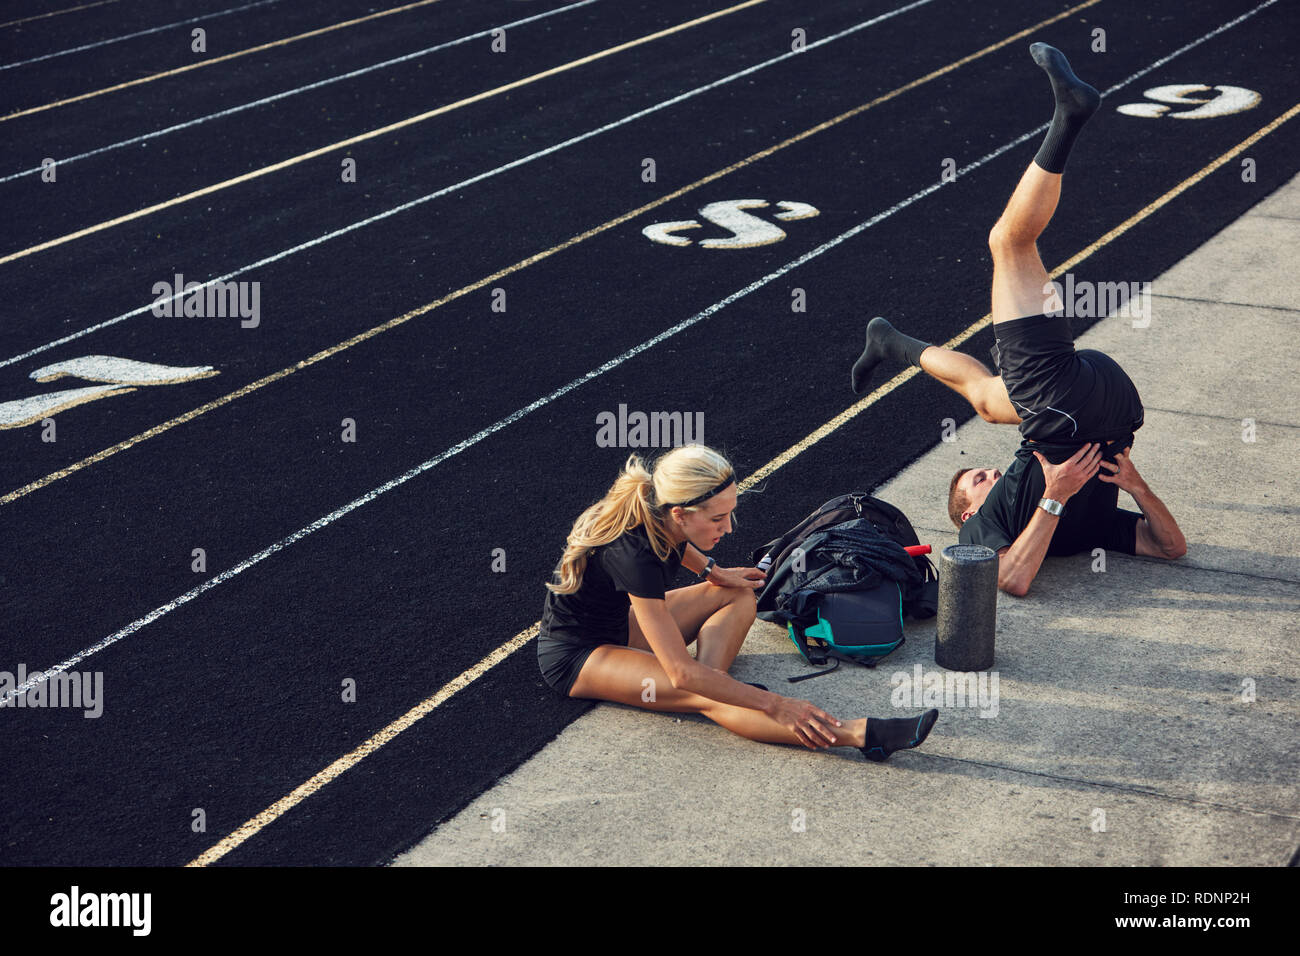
{"x":1158,"y":534}
{"x":1018,"y":564}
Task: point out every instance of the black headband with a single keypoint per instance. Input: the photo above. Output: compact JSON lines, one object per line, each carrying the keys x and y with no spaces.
{"x":731,"y":480}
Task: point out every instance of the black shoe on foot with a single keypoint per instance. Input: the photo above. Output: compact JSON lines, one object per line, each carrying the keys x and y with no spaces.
{"x":884,"y":736}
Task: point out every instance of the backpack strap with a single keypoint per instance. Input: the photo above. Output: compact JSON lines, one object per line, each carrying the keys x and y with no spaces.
{"x":835,"y":663}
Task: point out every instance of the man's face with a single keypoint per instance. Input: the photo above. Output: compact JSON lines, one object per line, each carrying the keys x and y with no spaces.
{"x":976,"y":485}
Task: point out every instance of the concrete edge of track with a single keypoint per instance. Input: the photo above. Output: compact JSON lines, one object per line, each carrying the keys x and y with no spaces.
{"x":1145,"y":713}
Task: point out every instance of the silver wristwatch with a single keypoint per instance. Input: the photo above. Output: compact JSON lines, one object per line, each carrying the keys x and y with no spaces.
{"x":1051,"y":507}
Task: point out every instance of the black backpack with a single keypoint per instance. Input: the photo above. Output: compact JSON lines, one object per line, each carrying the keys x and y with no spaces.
{"x":861,"y":626}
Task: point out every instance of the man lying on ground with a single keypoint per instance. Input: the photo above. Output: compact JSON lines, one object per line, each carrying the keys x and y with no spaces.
{"x":1077,"y":409}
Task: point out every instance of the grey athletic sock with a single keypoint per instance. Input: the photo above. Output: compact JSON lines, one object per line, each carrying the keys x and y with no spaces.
{"x":885,"y":342}
{"x":1076,"y":101}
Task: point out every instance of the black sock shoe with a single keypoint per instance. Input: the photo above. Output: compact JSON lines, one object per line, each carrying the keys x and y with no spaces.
{"x":1075,"y":102}
{"x":885,"y":342}
{"x":884,"y":736}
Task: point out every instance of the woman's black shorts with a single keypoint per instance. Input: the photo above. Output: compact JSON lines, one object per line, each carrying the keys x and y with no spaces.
{"x":1061,"y":394}
{"x":561,"y":656}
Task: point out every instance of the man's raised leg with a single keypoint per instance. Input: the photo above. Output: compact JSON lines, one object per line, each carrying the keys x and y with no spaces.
{"x":960,"y":372}
{"x":1019,"y":278}
{"x":1020,"y":282}
{"x":968,"y":376}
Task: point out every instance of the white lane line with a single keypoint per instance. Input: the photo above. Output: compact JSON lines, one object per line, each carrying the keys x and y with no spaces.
{"x":558,"y":393}
{"x":513,"y":164}
{"x":142,"y":33}
{"x":503,"y":423}
{"x":294,"y":92}
{"x":1183,"y":49}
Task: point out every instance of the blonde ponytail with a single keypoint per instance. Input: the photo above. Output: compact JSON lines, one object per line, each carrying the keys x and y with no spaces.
{"x":636,"y":499}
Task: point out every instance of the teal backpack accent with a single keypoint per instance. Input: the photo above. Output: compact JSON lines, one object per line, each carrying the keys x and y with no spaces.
{"x":856,"y":626}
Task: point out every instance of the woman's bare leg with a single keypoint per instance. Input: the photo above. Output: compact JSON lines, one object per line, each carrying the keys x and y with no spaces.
{"x":619,"y":674}
{"x":718,"y":618}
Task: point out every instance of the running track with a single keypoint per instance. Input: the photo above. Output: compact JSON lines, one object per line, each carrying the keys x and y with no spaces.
{"x":522,"y":170}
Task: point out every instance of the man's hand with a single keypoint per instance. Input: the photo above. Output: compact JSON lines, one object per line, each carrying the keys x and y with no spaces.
{"x":1124,"y":474}
{"x":1158,"y":534}
{"x":1064,"y":480}
{"x":737,"y":578}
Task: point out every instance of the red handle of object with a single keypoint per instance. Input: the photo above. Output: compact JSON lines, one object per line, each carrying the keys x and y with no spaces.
{"x":917,"y":549}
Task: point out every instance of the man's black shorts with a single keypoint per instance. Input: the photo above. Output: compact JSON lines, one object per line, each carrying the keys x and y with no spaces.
{"x":1064,"y":396}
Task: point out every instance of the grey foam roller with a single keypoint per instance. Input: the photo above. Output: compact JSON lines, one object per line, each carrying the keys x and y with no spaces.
{"x":968,"y":607}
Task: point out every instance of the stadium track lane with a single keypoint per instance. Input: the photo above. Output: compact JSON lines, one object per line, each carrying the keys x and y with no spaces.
{"x":343,"y":287}
{"x":56,"y":79}
{"x":213,"y":60}
{"x":90,"y":143}
{"x":575,"y":483}
{"x":150,"y":31}
{"x":221,"y":239}
{"x":372,"y":131}
{"x":55,"y":13}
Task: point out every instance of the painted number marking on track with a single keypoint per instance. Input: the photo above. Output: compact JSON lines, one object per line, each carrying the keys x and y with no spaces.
{"x":120,"y":375}
{"x":747,"y":230}
{"x":1223,"y":101}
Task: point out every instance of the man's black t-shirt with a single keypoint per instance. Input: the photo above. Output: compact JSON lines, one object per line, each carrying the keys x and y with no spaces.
{"x":596,"y":613}
{"x":1091,"y":518}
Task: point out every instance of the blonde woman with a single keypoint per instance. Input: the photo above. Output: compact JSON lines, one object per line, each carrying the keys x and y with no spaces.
{"x":612,"y":630}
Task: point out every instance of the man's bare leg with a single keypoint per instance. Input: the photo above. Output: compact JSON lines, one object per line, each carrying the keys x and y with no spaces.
{"x":970,"y":378}
{"x":963,"y":374}
{"x":1020,"y":283}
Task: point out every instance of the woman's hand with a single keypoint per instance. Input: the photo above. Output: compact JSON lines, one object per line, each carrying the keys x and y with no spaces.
{"x":813,"y":726}
{"x":737,"y":578}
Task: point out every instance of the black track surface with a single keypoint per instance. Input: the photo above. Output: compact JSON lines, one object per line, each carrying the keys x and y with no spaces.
{"x":232,"y":700}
